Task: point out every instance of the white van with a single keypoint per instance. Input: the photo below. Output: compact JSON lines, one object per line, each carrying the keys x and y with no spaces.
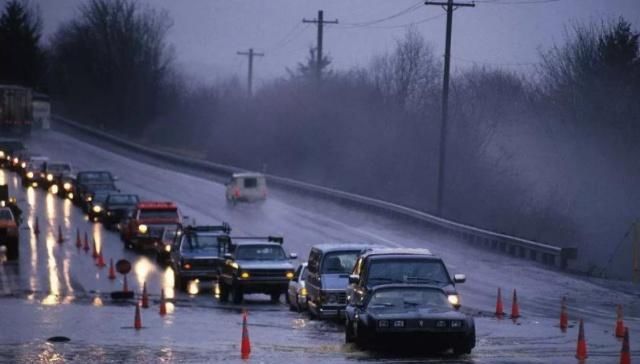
{"x":247,"y":187}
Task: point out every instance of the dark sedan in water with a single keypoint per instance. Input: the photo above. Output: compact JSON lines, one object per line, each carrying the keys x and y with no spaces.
{"x":409,"y":313}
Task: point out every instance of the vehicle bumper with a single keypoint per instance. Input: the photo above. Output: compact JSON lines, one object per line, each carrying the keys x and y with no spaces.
{"x":204,"y":275}
{"x":263,"y":286}
{"x":327,"y":311}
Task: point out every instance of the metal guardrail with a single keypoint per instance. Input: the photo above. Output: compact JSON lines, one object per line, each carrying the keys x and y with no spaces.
{"x":543,"y":253}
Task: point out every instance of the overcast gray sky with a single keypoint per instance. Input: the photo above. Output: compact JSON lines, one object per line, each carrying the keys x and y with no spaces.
{"x":207,"y":33}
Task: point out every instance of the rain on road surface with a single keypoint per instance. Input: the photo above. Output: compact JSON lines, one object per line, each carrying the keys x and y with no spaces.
{"x":56,"y":289}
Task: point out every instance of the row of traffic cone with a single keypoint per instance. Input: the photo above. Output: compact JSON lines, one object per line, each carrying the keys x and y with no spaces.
{"x":581,"y":350}
{"x":515,"y":309}
{"x":144,"y":303}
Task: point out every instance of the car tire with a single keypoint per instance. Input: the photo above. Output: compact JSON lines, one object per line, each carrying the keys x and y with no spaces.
{"x":361,"y":338}
{"x":237,"y":294}
{"x":348,"y":332}
{"x":275,"y":297}
{"x":224,"y":292}
{"x":466,"y":347}
{"x":12,"y":250}
{"x":180,"y":283}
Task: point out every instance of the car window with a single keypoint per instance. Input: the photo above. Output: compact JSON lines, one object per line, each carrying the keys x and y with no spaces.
{"x":200,"y":242}
{"x":314,"y":261}
{"x":58,"y":168}
{"x":6,"y":215}
{"x":158,"y":214}
{"x":123,"y":199}
{"x":402,"y":297}
{"x":407,"y":271}
{"x":250,"y":182}
{"x":305,"y":274}
{"x":339,"y":262}
{"x":260,"y":252}
{"x":95,"y":177}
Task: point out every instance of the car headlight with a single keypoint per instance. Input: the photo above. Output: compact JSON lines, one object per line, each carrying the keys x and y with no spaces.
{"x":454,"y":299}
{"x":143,"y":228}
{"x":49,"y":177}
{"x":1,"y":154}
{"x":16,"y":160}
{"x":244,"y":275}
{"x":303,"y":291}
{"x":2,"y":203}
{"x":89,"y":198}
{"x":167,"y":248}
{"x":29,"y":174}
{"x":97,"y":209}
{"x":23,"y":164}
{"x":66,"y":186}
{"x":70,"y":195}
{"x":289,"y":275}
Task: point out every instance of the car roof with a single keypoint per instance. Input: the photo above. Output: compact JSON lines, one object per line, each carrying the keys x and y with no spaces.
{"x":254,"y":242}
{"x":386,"y":252}
{"x":247,"y":174}
{"x":333,"y":247}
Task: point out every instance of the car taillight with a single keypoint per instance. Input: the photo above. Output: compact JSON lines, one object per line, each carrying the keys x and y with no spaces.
{"x":236,"y":192}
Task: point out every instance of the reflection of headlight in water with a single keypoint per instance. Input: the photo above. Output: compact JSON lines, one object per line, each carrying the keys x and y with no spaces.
{"x":70,"y":195}
{"x":193,"y":287}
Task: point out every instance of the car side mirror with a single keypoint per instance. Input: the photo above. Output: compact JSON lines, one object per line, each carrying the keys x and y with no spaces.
{"x":354,"y":278}
{"x":228,"y":256}
{"x":293,"y":256}
{"x":459,"y":278}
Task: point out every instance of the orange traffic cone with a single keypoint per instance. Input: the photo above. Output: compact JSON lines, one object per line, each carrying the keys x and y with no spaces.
{"x":78,"y":240}
{"x":100,"y":261}
{"x":112,"y":272}
{"x":145,"y":296}
{"x":515,"y":310}
{"x":60,"y":238}
{"x":85,"y":247}
{"x":564,"y":318}
{"x":619,"y":322}
{"x":625,"y":353}
{"x":36,"y":228}
{"x":163,"y":304}
{"x":245,"y":348}
{"x":125,"y":287}
{"x":94,"y":252}
{"x":581,"y":351}
{"x":499,"y":308}
{"x":137,"y":321}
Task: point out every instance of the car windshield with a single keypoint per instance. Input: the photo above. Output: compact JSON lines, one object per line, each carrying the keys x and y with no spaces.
{"x":339,"y":262}
{"x":100,"y":197}
{"x":123,"y":199}
{"x":408,"y":296}
{"x":428,"y":271}
{"x":158,"y":214}
{"x":260,"y":252}
{"x":58,"y":168}
{"x":94,"y":177}
{"x":6,"y":215}
{"x":200,"y":242}
{"x":102,"y":187}
{"x":36,"y":165}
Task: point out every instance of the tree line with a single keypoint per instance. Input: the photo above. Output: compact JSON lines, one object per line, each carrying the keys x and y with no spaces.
{"x":547,"y":155}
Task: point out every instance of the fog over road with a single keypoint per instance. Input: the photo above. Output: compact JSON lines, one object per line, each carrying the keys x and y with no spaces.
{"x":56,"y":289}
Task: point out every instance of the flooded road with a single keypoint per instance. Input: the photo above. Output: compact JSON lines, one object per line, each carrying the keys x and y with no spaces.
{"x":56,"y":289}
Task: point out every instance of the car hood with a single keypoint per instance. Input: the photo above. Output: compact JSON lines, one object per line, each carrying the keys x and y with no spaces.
{"x":424,"y":312}
{"x":335,"y":281}
{"x":264,"y":264}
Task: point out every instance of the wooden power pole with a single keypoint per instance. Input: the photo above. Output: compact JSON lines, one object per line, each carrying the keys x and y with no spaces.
{"x":320,"y":22}
{"x":250,"y":54}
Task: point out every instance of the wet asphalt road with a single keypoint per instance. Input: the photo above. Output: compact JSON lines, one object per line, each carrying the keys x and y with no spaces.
{"x":56,"y":289}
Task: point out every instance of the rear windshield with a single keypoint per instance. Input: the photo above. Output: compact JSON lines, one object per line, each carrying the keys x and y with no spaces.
{"x":339,"y":262}
{"x":158,"y":214}
{"x":250,"y":182}
{"x":58,"y":168}
{"x":100,"y":197}
{"x":5,"y":215}
{"x":426,"y":271}
{"x":123,"y":199}
{"x":200,"y":242}
{"x":260,"y":252}
{"x":94,"y":177}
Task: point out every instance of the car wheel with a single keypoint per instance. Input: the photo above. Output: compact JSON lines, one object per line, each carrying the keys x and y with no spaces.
{"x":224,"y":292}
{"x":466,"y":346}
{"x":275,"y":297}
{"x":12,"y":250}
{"x":236,"y":292}
{"x":180,"y":283}
{"x":361,"y":338}
{"x":348,"y":332}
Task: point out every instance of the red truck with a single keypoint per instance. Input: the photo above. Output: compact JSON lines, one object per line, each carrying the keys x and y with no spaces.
{"x":143,"y":229}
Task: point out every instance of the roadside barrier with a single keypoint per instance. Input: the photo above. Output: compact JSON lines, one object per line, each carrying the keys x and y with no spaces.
{"x":245,"y":346}
{"x":526,"y":249}
{"x":581,"y":350}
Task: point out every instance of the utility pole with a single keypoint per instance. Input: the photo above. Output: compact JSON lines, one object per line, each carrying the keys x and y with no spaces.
{"x":250,"y":54}
{"x":449,"y":6}
{"x":320,"y":22}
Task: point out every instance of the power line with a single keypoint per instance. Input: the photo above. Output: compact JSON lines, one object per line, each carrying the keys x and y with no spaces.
{"x":515,"y":2}
{"x":515,"y":64}
{"x":417,"y":22}
{"x":410,"y":9}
